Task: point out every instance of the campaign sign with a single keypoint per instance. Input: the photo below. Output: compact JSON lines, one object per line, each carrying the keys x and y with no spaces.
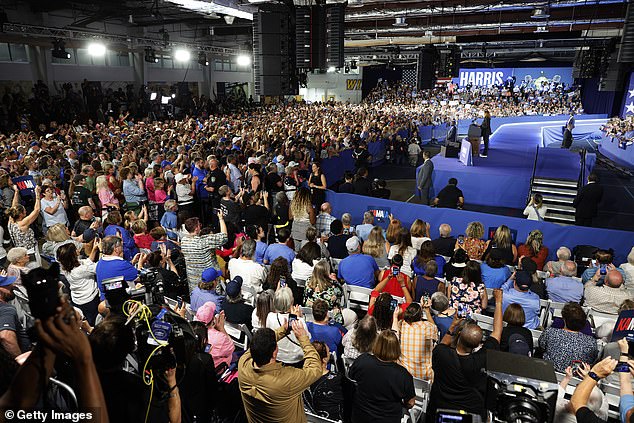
{"x":484,"y":77}
{"x":26,"y":185}
{"x":465,"y":156}
{"x":624,"y":327}
{"x":381,"y":215}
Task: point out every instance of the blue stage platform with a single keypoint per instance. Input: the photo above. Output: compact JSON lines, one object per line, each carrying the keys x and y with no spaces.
{"x":503,"y":178}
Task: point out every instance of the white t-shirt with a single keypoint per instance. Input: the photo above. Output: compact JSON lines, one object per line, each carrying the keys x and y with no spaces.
{"x":417,"y":242}
{"x":301,"y":270}
{"x":253,"y":274}
{"x":183,"y":191}
{"x":530,"y":212}
{"x":409,"y":255}
{"x":83,"y":286}
{"x":289,"y":350}
{"x":52,"y":219}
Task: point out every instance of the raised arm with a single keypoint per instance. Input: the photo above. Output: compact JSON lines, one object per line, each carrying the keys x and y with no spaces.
{"x":498,"y":324}
{"x":602,"y":369}
{"x":32,"y":217}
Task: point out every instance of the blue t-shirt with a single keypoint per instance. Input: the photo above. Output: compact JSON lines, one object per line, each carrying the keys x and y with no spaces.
{"x":200,"y":297}
{"x":107,"y":269}
{"x":129,"y":247}
{"x":358,"y":270}
{"x":260,"y":249}
{"x":494,"y":277}
{"x":169,"y":220}
{"x":201,"y":192}
{"x":330,"y":335}
{"x":278,"y":250}
{"x":443,"y":323}
{"x":528,"y":300}
{"x":419,"y":268}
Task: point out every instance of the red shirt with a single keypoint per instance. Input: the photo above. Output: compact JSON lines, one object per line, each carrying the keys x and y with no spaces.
{"x":143,"y":241}
{"x":539,"y":259}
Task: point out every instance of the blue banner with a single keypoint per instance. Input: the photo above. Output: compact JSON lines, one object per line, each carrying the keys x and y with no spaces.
{"x":628,"y":102}
{"x":25,"y":184}
{"x":530,"y":77}
{"x":624,"y":327}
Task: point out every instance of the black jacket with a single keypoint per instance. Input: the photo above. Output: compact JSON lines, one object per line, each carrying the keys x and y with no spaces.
{"x":567,"y":142}
{"x":587,"y":200}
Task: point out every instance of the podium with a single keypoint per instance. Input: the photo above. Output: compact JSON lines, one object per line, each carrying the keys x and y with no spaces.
{"x":474,"y":134}
{"x":466,"y":157}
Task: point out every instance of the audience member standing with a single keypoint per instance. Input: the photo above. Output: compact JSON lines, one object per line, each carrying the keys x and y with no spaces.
{"x":424,"y":178}
{"x":587,"y":201}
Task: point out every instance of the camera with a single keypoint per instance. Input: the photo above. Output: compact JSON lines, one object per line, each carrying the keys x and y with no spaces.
{"x":42,"y":287}
{"x":153,"y":290}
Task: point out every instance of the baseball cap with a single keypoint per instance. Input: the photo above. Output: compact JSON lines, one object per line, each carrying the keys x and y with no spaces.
{"x":523,"y":279}
{"x":210,"y":274}
{"x":235,"y":139}
{"x":165,"y":163}
{"x":280,"y":158}
{"x":206,"y":312}
{"x":179,"y":177}
{"x":293,"y":164}
{"x":234,"y":287}
{"x":352,"y":244}
{"x":89,"y":234}
{"x":7,"y":280}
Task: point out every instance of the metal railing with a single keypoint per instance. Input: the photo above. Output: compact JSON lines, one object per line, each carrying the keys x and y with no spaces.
{"x":530,"y":188}
{"x":582,"y":171}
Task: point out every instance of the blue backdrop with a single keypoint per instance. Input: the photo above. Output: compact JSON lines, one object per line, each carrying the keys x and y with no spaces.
{"x":555,"y":236}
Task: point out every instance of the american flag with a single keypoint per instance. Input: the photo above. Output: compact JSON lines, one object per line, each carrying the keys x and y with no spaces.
{"x":628,"y":102}
{"x":409,"y":76}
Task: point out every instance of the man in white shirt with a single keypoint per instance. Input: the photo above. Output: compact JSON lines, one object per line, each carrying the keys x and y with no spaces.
{"x":234,"y":176}
{"x":253,"y":274}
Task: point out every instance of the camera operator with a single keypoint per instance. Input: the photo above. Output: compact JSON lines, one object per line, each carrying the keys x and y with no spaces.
{"x":160,"y":261}
{"x":59,"y":336}
{"x":459,"y":383}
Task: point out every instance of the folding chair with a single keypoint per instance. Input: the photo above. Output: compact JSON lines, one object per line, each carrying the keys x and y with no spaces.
{"x":308,"y":314}
{"x":598,"y":318}
{"x":358,"y":297}
{"x":239,"y":334}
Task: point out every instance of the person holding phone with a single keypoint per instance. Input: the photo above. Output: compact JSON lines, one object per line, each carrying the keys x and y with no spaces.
{"x":394,"y":282}
{"x":289,"y":349}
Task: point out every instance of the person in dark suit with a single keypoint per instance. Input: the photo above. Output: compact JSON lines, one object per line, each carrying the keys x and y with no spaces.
{"x":587,"y":201}
{"x":486,"y":132}
{"x":567,"y":141}
{"x":452,"y":133}
{"x":362,"y":185}
{"x":423,"y":178}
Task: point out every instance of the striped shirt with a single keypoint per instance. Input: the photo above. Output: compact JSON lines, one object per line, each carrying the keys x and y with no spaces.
{"x":200,"y":254}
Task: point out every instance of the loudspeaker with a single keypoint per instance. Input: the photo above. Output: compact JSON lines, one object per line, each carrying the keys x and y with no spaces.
{"x":274,"y":51}
{"x":626,"y":52}
{"x":335,"y":23}
{"x":426,"y":68}
{"x":303,"y":37}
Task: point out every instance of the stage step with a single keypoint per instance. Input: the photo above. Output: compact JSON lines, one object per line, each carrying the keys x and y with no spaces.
{"x":553,"y":199}
{"x":552,"y":190}
{"x":560,"y":208}
{"x":564,"y":219}
{"x":556,"y":182}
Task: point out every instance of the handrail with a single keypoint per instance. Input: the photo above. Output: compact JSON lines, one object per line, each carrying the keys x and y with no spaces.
{"x":530,"y":188}
{"x":582,"y":171}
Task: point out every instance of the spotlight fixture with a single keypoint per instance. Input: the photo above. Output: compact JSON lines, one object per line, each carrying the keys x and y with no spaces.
{"x":346,"y":69}
{"x":59,"y":50}
{"x":229,"y":19}
{"x":181,"y":55}
{"x":150,"y":55}
{"x":202,"y":59}
{"x":353,"y":64}
{"x":331,"y":69}
{"x":96,"y":49}
{"x":243,"y":60}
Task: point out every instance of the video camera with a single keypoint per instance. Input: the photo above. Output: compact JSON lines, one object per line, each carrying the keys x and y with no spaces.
{"x":117,"y":290}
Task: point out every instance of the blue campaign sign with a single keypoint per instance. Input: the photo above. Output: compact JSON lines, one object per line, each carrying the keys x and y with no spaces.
{"x":381,"y":215}
{"x":624,"y":327}
{"x":25,"y":184}
{"x":484,"y":77}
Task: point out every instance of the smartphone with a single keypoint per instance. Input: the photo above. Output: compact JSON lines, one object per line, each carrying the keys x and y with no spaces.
{"x":393,"y":304}
{"x":576,"y":366}
{"x":291,"y":318}
{"x":603,"y":269}
{"x":395,"y":271}
{"x":179,"y":301}
{"x":207,"y":348}
{"x":461,"y":239}
{"x":282,"y":282}
{"x":462,"y":311}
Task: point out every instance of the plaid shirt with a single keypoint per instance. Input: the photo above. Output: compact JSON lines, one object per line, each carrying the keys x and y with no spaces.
{"x":323,"y":222}
{"x":417,"y":342}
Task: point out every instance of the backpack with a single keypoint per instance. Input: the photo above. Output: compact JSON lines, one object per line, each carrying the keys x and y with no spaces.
{"x":519,"y":345}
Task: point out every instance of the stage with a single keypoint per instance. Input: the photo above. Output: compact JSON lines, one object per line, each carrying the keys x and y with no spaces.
{"x":503,"y":178}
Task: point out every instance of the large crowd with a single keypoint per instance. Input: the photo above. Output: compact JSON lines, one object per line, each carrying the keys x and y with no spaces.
{"x":225,"y":219}
{"x":620,"y":129}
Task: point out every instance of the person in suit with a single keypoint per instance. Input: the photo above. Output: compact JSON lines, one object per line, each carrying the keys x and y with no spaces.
{"x":423,"y":177}
{"x":567,"y":141}
{"x":486,"y":132}
{"x":587,"y":201}
{"x":452,"y":133}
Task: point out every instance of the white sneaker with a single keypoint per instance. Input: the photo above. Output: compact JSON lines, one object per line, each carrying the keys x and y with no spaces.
{"x":483,"y":155}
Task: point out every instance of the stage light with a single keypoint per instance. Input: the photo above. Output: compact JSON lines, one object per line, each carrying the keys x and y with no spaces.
{"x":173,"y":95}
{"x":202,"y":59}
{"x":243,"y":60}
{"x":96,"y":49}
{"x":353,"y":64}
{"x":59,"y":50}
{"x":150,"y":55}
{"x":331,"y":69}
{"x":182,"y":55}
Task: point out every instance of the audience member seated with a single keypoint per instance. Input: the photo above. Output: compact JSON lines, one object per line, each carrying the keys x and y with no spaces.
{"x":458,"y":364}
{"x":272,"y":392}
{"x":346,"y":221}
{"x":565,"y":287}
{"x":323,"y":285}
{"x":597,"y":402}
{"x":518,"y":290}
{"x":554,"y":267}
{"x":468,"y":292}
{"x":280,"y":249}
{"x":280,"y":275}
{"x":516,"y":338}
{"x":455,"y":266}
{"x":393,"y":229}
{"x":361,"y":338}
{"x":580,"y":398}
{"x":606,"y":298}
{"x":312,"y":236}
{"x":252,"y":273}
{"x":534,"y":248}
{"x":445,"y":244}
{"x":382,"y":310}
{"x":304,"y":261}
{"x":404,"y":248}
{"x":494,"y":271}
{"x":257,"y":234}
{"x":418,"y":338}
{"x":394,"y":282}
{"x":377,"y":247}
{"x":603,"y":262}
{"x":337,"y":240}
{"x":425,"y":254}
{"x":263,"y":306}
{"x":56,"y":236}
{"x":450,"y":197}
{"x":206,"y":290}
{"x":322,"y":330}
{"x":564,"y":346}
{"x":472,"y":241}
{"x":427,"y":284}
{"x":443,"y":314}
{"x":419,"y":232}
{"x":363,"y":230}
{"x":326,"y":394}
{"x":290,"y":352}
{"x":628,"y":269}
{"x":357,"y":269}
{"x":221,"y":344}
{"x":19,"y":261}
{"x":324,"y":219}
{"x":383,"y":387}
{"x":502,"y":241}
{"x":234,"y":306}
